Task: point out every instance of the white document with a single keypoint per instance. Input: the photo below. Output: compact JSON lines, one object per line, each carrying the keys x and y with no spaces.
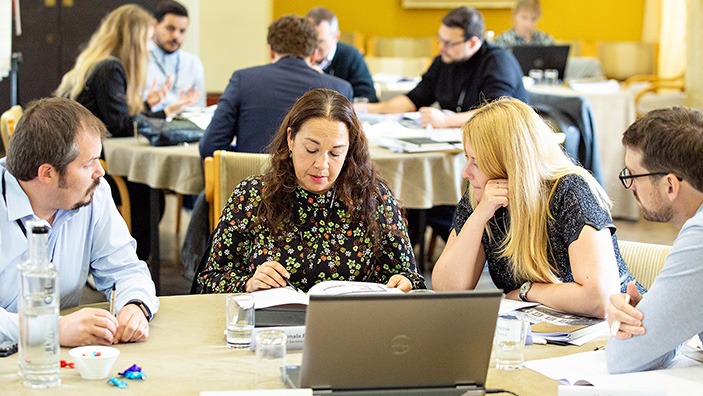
{"x":684,"y":377}
{"x":287,"y":295}
{"x":508,"y":305}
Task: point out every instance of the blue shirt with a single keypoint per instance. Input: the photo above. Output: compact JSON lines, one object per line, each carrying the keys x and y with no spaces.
{"x":186,"y":71}
{"x":92,"y":239}
{"x":672,"y":309}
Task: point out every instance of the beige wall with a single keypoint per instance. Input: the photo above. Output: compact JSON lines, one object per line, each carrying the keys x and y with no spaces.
{"x":228,"y":35}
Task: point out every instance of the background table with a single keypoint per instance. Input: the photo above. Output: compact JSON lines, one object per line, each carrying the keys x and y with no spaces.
{"x":186,"y":353}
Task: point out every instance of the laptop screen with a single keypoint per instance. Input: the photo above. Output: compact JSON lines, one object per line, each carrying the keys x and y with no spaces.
{"x":542,"y":57}
{"x":417,"y":340}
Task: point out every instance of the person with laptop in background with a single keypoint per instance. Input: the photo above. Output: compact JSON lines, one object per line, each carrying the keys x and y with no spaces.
{"x":468,"y":72}
{"x":340,"y":59}
{"x":663,"y":152}
{"x":524,"y":32}
{"x":542,"y":222}
{"x":320,"y":212}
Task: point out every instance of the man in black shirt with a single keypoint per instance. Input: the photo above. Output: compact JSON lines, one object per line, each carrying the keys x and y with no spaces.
{"x":467,"y":73}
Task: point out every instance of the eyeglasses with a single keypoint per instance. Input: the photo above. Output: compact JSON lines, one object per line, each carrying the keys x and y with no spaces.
{"x":450,"y":44}
{"x":626,"y":177}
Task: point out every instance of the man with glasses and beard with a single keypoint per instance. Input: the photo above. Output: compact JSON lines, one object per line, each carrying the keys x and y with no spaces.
{"x":663,"y":153}
{"x":467,"y":73}
{"x":52,"y":173}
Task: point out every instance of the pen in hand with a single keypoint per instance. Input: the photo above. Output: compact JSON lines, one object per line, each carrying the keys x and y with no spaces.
{"x":112,"y":299}
{"x":288,"y":282}
{"x":615,"y":326}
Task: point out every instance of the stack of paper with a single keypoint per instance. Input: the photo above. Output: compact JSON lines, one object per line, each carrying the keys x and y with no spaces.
{"x":568,"y":334}
{"x":562,"y":328}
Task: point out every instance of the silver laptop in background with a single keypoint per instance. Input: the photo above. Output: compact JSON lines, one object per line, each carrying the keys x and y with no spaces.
{"x":389,"y":344}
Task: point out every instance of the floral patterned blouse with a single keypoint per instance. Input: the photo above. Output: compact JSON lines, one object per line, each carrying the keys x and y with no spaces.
{"x":324,"y":244}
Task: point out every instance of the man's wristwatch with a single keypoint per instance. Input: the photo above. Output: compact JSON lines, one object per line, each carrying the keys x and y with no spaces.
{"x":524,"y":289}
{"x":141,"y":306}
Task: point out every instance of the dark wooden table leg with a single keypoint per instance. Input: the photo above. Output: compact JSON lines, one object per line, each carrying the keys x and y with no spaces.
{"x":154,"y":218}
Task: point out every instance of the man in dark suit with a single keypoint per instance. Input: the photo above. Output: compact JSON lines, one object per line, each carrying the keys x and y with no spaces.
{"x":257,"y":99}
{"x":340,"y":59}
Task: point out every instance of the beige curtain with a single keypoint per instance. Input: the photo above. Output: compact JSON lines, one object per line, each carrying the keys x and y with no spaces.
{"x":665,"y":23}
{"x":694,"y":80}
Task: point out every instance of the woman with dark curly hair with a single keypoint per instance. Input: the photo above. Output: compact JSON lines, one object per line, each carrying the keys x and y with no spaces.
{"x":320,"y":212}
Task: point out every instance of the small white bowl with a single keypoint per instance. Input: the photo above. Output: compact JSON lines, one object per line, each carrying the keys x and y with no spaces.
{"x":94,"y":362}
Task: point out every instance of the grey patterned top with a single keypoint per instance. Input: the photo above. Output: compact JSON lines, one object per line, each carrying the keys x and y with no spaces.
{"x":573,"y":206}
{"x":509,"y":39}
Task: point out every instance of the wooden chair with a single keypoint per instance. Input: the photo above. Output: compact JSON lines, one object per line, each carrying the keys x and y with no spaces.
{"x":223,"y":171}
{"x":654,"y":92}
{"x":644,"y":260}
{"x":407,"y":47}
{"x":125,"y":207}
{"x":400,"y":66}
{"x":621,"y":60}
{"x":8,"y":121}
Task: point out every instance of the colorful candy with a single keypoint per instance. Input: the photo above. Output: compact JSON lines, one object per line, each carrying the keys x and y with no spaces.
{"x":67,"y":364}
{"x":117,"y":382}
{"x":132,"y":368}
{"x":134,"y":375}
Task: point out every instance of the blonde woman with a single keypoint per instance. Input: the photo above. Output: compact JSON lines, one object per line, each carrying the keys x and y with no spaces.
{"x":542,"y":223}
{"x":110,"y":73}
{"x":108,"y":79}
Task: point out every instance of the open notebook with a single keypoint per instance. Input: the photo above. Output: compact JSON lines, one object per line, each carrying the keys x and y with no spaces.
{"x":393,"y":344}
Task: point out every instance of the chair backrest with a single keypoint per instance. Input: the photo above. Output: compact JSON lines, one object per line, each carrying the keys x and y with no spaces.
{"x":125,"y":206}
{"x":644,"y":260}
{"x":8,"y":121}
{"x":623,"y":59}
{"x":402,"y":46}
{"x":222,"y":174}
{"x":399,"y":66}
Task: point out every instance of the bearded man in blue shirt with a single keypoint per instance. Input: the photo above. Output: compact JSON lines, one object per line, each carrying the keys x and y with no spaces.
{"x":52,"y":173}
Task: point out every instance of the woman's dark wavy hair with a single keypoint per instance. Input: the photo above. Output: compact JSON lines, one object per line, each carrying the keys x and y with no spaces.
{"x":358,"y":181}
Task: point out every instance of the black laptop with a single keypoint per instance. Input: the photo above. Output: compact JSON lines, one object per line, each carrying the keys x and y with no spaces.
{"x":542,"y":57}
{"x":395,"y":344}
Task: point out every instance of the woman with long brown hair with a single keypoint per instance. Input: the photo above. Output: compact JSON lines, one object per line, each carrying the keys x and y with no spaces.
{"x":320,"y":212}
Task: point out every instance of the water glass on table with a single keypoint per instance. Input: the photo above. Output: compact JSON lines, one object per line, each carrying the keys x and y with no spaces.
{"x":240,"y":320}
{"x":537,"y":75}
{"x":509,"y":342}
{"x":270,"y":359}
{"x":551,"y":77}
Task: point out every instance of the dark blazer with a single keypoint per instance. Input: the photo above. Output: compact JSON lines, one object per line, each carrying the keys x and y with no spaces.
{"x":348,"y":64}
{"x":257,"y":100}
{"x":104,"y":95}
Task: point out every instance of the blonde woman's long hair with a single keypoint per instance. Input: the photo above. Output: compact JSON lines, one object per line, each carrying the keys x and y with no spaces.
{"x":122,"y":34}
{"x":510,"y":141}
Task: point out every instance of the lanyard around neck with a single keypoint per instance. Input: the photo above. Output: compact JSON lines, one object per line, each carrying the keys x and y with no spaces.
{"x":4,"y":197}
{"x":163,"y":68}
